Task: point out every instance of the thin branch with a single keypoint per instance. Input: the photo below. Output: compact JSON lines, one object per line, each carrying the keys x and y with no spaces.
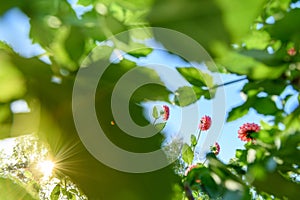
{"x":228,"y":83}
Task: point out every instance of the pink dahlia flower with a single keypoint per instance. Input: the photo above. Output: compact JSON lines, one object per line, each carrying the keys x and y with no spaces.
{"x":205,"y":123}
{"x":166,"y":112}
{"x":246,"y":130}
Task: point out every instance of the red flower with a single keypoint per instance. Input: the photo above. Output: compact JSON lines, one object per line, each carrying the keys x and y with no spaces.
{"x":205,"y":123}
{"x":246,"y":130}
{"x":166,"y":113}
{"x":215,"y":148}
{"x":292,"y":51}
{"x":189,"y":169}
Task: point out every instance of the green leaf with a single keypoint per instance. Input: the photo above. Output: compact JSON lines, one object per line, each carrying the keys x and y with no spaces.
{"x":117,"y":11}
{"x":195,"y":76}
{"x":187,"y":154}
{"x":11,"y":190}
{"x":155,"y":113}
{"x":207,"y":94}
{"x":160,"y":126}
{"x":201,"y":20}
{"x":272,"y":87}
{"x":235,"y":11}
{"x":75,"y":44}
{"x":285,"y":28}
{"x":265,"y":105}
{"x":237,"y":112}
{"x":142,"y":52}
{"x":55,"y":192}
{"x":247,"y":65}
{"x":85,"y":2}
{"x":257,"y":40}
{"x":193,"y":140}
{"x":266,"y":136}
{"x":241,"y":155}
{"x":185,"y":96}
{"x":12,"y":83}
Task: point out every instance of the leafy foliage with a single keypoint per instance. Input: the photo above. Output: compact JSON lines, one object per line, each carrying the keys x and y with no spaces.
{"x":242,"y":39}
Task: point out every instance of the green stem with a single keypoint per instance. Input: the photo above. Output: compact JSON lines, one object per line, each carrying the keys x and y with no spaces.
{"x":154,"y":121}
{"x":197,"y":140}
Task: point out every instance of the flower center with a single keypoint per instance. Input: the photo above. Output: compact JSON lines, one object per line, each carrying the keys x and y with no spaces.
{"x":249,"y":133}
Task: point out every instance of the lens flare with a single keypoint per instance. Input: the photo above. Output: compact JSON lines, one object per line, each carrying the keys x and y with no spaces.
{"x":46,"y":168}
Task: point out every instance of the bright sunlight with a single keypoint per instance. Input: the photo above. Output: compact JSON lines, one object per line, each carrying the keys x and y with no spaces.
{"x":46,"y":167}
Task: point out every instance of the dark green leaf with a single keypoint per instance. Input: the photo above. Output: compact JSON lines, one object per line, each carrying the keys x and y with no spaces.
{"x":187,"y":154}
{"x":272,"y":87}
{"x":237,"y":112}
{"x":287,"y":28}
{"x":265,"y":105}
{"x":75,"y":44}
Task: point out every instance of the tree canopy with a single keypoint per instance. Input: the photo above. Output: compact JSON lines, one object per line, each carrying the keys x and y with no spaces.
{"x":91,"y":45}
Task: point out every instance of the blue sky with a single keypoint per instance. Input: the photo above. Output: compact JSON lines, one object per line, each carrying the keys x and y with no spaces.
{"x":14,"y":29}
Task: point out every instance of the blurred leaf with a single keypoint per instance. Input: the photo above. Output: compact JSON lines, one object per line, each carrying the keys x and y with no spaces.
{"x":289,"y":150}
{"x":238,"y":112}
{"x":292,"y":121}
{"x":235,"y":11}
{"x":257,"y":40}
{"x":265,"y":105}
{"x":193,"y":140}
{"x":276,"y":59}
{"x":266,"y":137}
{"x":274,"y":183}
{"x":187,"y":154}
{"x":85,"y":2}
{"x":75,"y":44}
{"x":207,"y":184}
{"x":207,"y":94}
{"x":201,"y":20}
{"x":117,"y":11}
{"x":5,"y":112}
{"x":287,"y":28}
{"x":140,"y":52}
{"x":245,"y":65}
{"x":160,"y":126}
{"x":11,"y":80}
{"x":55,"y":192}
{"x":185,"y":96}
{"x":155,"y":112}
{"x":272,"y":87}
{"x":196,"y":77}
{"x":11,"y":190}
{"x":241,"y":155}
